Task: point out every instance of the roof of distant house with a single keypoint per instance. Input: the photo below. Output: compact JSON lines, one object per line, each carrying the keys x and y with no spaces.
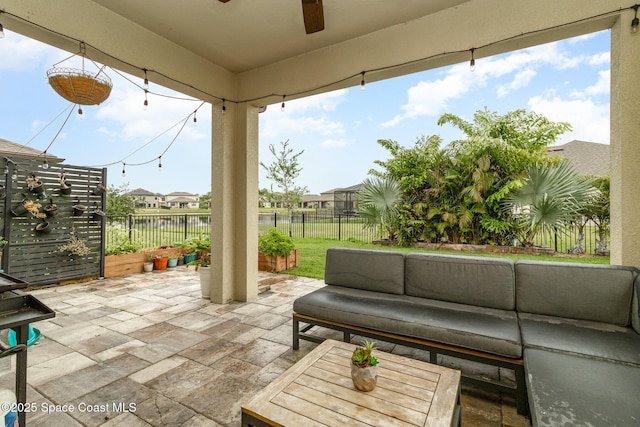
{"x":180,"y":193}
{"x":15,"y":150}
{"x":353,"y":188}
{"x":587,"y":158}
{"x":143,"y":192}
{"x":181,"y":200}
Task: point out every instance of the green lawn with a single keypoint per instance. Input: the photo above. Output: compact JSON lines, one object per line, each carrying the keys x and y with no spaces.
{"x":312,"y":254}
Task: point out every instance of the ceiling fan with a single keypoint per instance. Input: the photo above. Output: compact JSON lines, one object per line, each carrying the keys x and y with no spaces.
{"x":313,"y":15}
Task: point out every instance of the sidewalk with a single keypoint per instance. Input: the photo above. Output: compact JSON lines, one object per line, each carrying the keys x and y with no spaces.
{"x":147,"y":350}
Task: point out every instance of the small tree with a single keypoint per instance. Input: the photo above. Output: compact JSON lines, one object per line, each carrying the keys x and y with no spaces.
{"x":283,"y":172}
{"x":379,"y":199}
{"x":204,"y":201}
{"x":119,"y":202}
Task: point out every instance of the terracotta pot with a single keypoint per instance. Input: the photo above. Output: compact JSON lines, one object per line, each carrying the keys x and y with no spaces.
{"x":364,"y":379}
{"x":160,"y":263}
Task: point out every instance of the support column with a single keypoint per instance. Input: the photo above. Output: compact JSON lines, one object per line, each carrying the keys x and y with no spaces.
{"x":234,"y":203}
{"x":625,"y":142}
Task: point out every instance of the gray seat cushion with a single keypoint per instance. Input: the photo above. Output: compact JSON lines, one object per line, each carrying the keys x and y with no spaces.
{"x":569,"y":390}
{"x":600,"y":293}
{"x":481,"y":281}
{"x":379,"y":271}
{"x":598,"y":340}
{"x":487,"y":330}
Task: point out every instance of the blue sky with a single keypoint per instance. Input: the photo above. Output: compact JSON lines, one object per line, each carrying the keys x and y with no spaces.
{"x":565,"y":81}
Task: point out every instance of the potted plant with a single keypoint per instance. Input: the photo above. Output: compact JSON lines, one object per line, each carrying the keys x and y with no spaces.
{"x":364,"y":367}
{"x":276,"y":251}
{"x":34,"y":184}
{"x":65,"y":188}
{"x":148,"y":266}
{"x":99,"y":189}
{"x":173,"y":261}
{"x":78,"y":209}
{"x":160,"y":261}
{"x":202,"y":248}
{"x":74,"y":247}
{"x":51,"y":209}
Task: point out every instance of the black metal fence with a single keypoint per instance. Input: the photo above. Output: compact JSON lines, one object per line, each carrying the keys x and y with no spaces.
{"x":166,"y":229}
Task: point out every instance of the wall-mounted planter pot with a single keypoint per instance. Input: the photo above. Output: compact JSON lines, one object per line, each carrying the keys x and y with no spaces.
{"x":79,"y":210}
{"x":43,"y":227}
{"x":99,"y":190}
{"x":19,"y":210}
{"x":37,"y":188}
{"x":97,"y":214}
{"x":65,"y":190}
{"x":2,"y":191}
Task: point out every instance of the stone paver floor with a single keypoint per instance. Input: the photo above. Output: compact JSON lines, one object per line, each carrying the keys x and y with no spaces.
{"x":148,"y":350}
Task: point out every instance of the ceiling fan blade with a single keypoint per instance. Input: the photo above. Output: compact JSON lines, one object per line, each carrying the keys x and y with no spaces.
{"x":313,"y":14}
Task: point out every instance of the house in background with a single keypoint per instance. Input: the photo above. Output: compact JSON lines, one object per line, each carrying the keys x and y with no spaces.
{"x":182,"y":200}
{"x":146,"y":199}
{"x":587,"y":158}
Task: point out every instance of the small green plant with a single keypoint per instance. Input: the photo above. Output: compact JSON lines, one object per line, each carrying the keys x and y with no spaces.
{"x":74,"y":246}
{"x":363,"y":357}
{"x":121,"y":244}
{"x":202,"y":246}
{"x":3,"y":242}
{"x":275,"y":243}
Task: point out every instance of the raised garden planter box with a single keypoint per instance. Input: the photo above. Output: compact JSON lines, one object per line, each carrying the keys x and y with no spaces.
{"x":277,"y":263}
{"x":121,"y":265}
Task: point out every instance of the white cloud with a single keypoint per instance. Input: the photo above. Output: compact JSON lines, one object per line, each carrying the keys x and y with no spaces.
{"x":333,"y":143}
{"x":599,"y":59}
{"x":430,"y":98}
{"x":303,"y":116}
{"x":520,"y":80}
{"x":589,"y":120}
{"x":21,"y":53}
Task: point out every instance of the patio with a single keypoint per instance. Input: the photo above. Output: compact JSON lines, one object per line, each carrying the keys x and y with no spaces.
{"x":150,"y":341}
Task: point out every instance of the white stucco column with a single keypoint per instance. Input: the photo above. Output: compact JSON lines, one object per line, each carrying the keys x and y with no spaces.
{"x":234,"y":203}
{"x":625,"y":142}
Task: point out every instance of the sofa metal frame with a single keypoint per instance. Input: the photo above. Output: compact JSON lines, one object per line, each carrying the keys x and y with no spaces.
{"x":434,"y":348}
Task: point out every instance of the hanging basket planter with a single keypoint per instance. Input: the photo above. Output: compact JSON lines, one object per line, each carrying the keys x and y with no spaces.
{"x":79,"y":85}
{"x":43,"y":227}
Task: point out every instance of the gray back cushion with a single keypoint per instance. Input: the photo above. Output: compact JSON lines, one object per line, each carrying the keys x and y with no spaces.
{"x":373,"y":270}
{"x":601,"y":293}
{"x":480,"y":281}
{"x":635,"y":306}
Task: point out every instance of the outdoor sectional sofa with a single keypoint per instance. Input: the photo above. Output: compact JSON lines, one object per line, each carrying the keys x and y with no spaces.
{"x":568,"y":331}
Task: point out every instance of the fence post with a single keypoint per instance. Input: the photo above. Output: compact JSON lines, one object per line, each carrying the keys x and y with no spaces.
{"x":186,"y":225}
{"x":339,"y":226}
{"x":130,"y":226}
{"x":275,"y":219}
{"x":303,"y":225}
{"x":555,"y":239}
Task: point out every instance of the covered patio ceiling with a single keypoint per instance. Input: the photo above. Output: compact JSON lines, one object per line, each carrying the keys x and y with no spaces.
{"x":258,"y":50}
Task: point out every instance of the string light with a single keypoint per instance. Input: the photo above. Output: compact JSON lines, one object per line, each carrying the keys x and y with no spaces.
{"x":282,"y":106}
{"x":195,"y":119}
{"x":80,"y":113}
{"x":45,"y":164}
{"x":159,"y":163}
{"x":123,"y":171}
{"x":635,"y":22}
{"x":145,"y":104}
{"x":362,"y":83}
{"x":472,"y":64}
{"x":145,"y":85}
{"x":1,"y":31}
{"x":224,"y":107}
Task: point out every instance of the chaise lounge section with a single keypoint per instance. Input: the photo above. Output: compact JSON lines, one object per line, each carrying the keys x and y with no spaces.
{"x":552,"y":320}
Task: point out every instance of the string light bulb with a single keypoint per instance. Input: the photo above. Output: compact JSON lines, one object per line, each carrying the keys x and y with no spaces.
{"x":45,"y":164}
{"x":195,"y":119}
{"x":282,"y":106}
{"x":160,"y":164}
{"x":224,"y":107}
{"x":145,"y":85}
{"x":1,"y":31}
{"x":472,"y":64}
{"x":635,"y":22}
{"x":145,"y":104}
{"x":123,"y":171}
{"x":14,"y":176}
{"x":362,"y":82}
{"x":80,"y":113}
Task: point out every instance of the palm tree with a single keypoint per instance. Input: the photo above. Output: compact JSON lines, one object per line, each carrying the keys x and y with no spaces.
{"x":550,"y":195}
{"x":378,"y":204}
